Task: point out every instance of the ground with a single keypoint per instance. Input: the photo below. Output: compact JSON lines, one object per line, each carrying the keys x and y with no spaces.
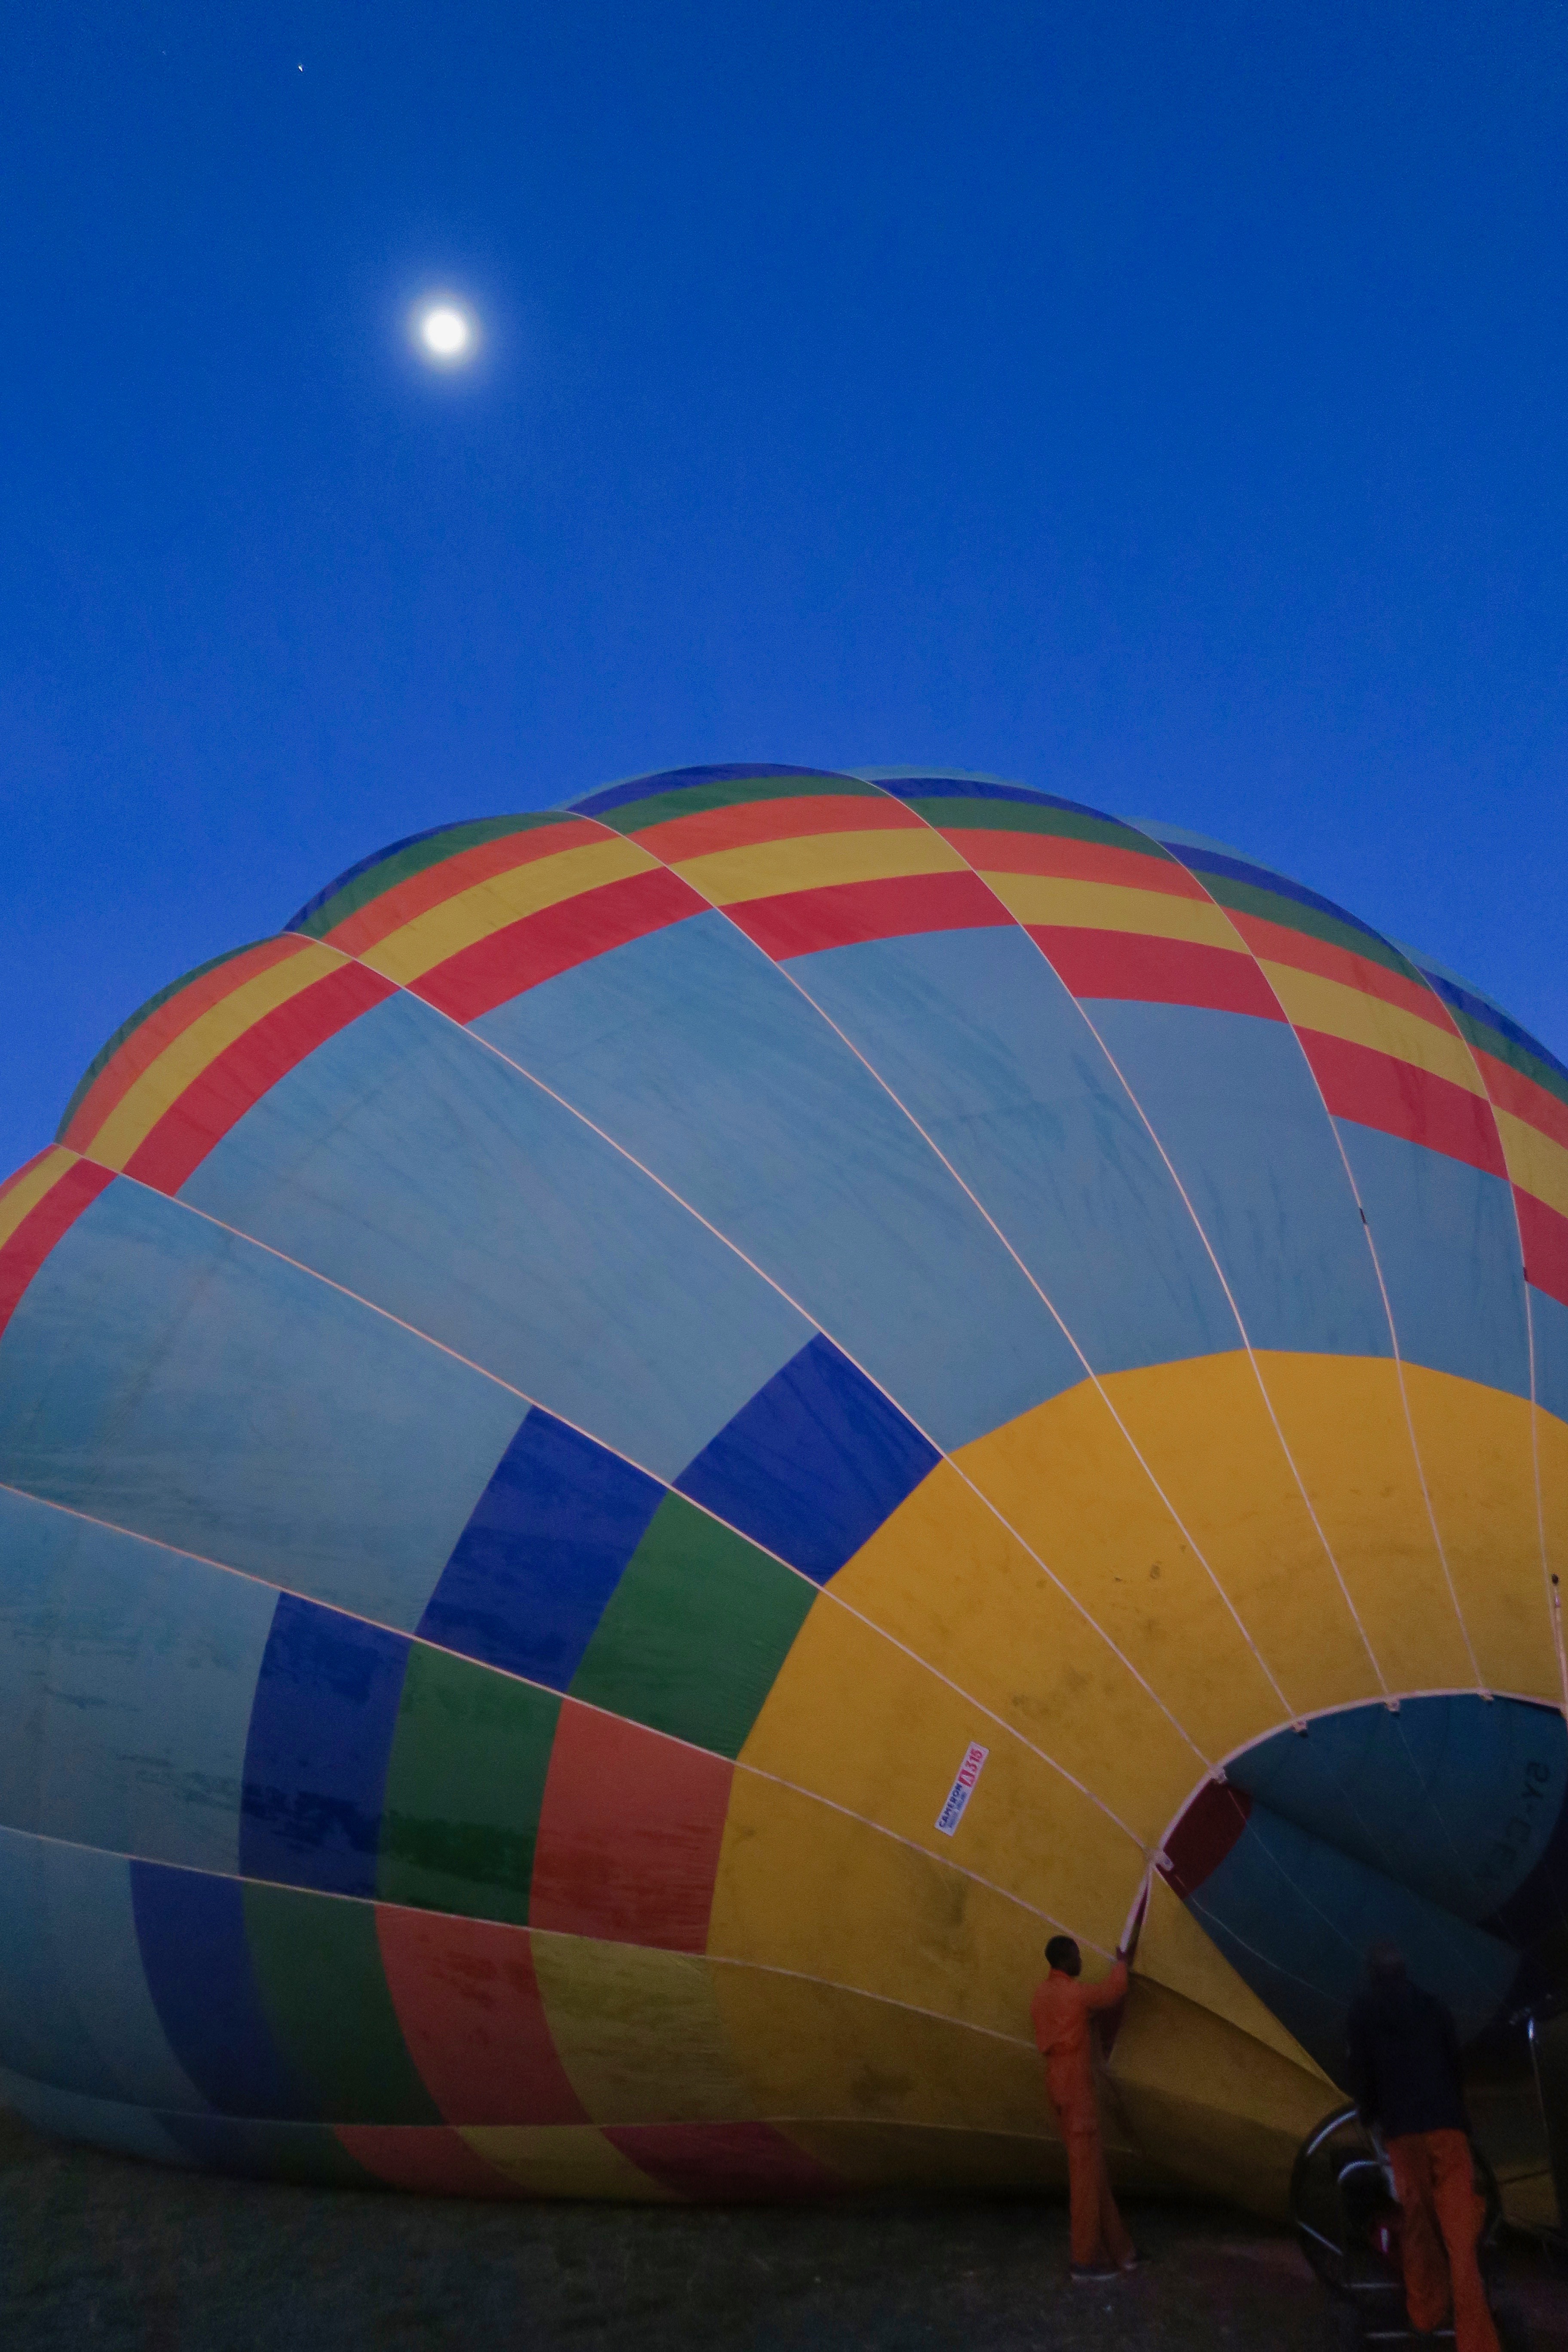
{"x":98,"y":2251}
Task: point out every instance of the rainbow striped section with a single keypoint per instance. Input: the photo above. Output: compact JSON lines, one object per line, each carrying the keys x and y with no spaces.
{"x":1116,"y":914}
{"x":473,"y":914}
{"x":42,"y":1201}
{"x":801,"y":860}
{"x":193,"y":1062}
{"x":1528,"y":1089}
{"x":1383,"y":1045}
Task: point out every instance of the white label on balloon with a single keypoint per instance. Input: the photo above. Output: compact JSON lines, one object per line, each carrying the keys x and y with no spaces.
{"x":962,"y":1789}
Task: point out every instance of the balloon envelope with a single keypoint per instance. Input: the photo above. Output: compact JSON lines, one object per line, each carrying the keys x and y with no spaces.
{"x":640,"y":1452}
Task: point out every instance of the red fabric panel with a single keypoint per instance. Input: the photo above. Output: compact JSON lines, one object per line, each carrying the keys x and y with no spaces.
{"x":159,"y":1029}
{"x":629,"y":1833}
{"x":469,"y":2006}
{"x":1546,"y":1236}
{"x":41,"y":1228}
{"x":1382,"y":1091}
{"x":425,"y":2158}
{"x":842,"y":914}
{"x":991,"y":851}
{"x":478,"y":978}
{"x":724,"y":2160}
{"x":434,"y":884}
{"x":239,"y":1076}
{"x":1204,"y":1835}
{"x":748,"y":823}
{"x":1156,"y":972}
{"x":1279,"y":944}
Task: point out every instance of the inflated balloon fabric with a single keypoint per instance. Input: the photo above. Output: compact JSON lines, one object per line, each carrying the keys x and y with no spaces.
{"x":639,"y":1454}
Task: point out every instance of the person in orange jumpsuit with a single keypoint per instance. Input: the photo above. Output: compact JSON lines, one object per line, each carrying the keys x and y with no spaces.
{"x":1061,"y":2010}
{"x":1403,"y":2068}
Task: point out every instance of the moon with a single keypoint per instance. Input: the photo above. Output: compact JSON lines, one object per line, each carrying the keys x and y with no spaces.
{"x":445,"y":334}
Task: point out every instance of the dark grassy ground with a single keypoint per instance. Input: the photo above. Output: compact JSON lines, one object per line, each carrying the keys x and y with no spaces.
{"x":102,"y":2253}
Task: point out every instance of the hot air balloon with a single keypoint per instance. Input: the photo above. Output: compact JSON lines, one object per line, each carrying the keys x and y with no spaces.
{"x":638,"y":1454}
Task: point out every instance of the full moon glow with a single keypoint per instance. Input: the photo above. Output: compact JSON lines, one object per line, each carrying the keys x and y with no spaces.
{"x":444,"y":333}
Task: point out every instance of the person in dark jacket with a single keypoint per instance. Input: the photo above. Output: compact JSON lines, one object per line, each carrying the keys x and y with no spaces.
{"x":1404,"y":2072}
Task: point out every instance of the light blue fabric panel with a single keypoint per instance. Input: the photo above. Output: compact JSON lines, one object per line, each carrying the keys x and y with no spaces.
{"x":976,"y":1034}
{"x":1548,"y":1325}
{"x":42,"y":2033}
{"x":407,"y":1162}
{"x":93,"y":1931}
{"x":700,"y":1057}
{"x":173,"y":1378}
{"x":1447,"y":1242}
{"x":100,"y":2123}
{"x":1233,"y":1103}
{"x":126,"y":1679}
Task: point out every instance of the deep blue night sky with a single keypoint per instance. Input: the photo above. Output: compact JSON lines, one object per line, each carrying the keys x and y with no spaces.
{"x":1166,"y":407}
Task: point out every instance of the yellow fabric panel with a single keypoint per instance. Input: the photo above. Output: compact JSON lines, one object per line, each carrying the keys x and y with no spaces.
{"x":944,"y":1576}
{"x":1237,"y":2111}
{"x":1311,"y":1001}
{"x":1476,"y":1445}
{"x":1173,"y":1951}
{"x":563,"y":2160}
{"x":1065,"y":1477}
{"x":1204,"y":1431}
{"x":1110,"y":907}
{"x":473,"y":914}
{"x":853,"y":1718}
{"x":1535,"y":1162}
{"x":164,"y":1081}
{"x":821,"y":2050}
{"x":905,"y":2156}
{"x":802,"y":1887}
{"x":1552,"y":1470}
{"x":25,"y":1195}
{"x":1344,"y":1421}
{"x":638,"y":2032}
{"x":813,"y":861}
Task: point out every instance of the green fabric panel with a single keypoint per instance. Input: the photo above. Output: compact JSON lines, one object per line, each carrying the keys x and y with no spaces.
{"x":317,"y":1964}
{"x":1268,"y":906}
{"x":695,"y":1632}
{"x":693,"y":799}
{"x":464,"y":1787}
{"x":377,"y":880}
{"x":1024,"y":817}
{"x":102,"y":1060}
{"x":1518,"y":1057}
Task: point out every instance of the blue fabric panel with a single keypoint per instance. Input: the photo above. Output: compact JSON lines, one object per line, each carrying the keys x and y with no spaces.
{"x":92,"y":1928}
{"x":320,"y":1738}
{"x":42,"y":2031}
{"x":100,"y":2123}
{"x":669,"y":780}
{"x":1200,"y":857}
{"x":172,"y":1378}
{"x":976,"y":1034}
{"x":1447,"y":1242}
{"x":813,"y":1464}
{"x":407,"y":1162}
{"x":1549,"y":1329}
{"x":363,"y":865}
{"x":532,"y":1571}
{"x":1235,"y":1104}
{"x":1455,"y":1797}
{"x":189,"y":1925}
{"x":126,"y":1674}
{"x":1295,"y":1917}
{"x":699,"y":1056}
{"x":974,"y":788}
